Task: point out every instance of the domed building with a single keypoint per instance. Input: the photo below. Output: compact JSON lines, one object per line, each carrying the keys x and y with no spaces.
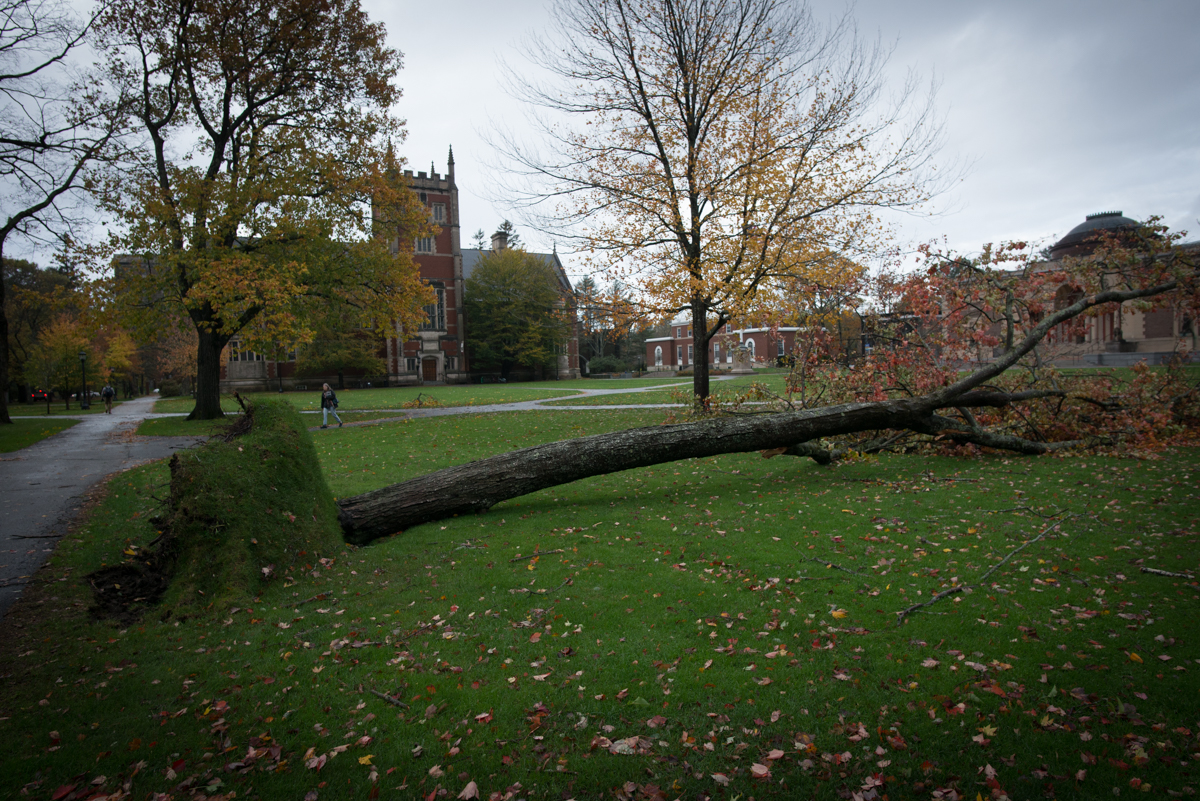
{"x":1081,"y":239}
{"x":1117,"y":338}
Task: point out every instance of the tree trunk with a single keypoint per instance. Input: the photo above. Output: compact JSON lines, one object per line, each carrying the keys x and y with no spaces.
{"x":477,"y":486}
{"x":4,"y":418}
{"x":699,"y":351}
{"x":208,"y":376}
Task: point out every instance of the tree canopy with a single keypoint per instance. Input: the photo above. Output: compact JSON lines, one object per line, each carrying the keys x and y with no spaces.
{"x":726,"y":150}
{"x":265,"y":136}
{"x":516,"y":312}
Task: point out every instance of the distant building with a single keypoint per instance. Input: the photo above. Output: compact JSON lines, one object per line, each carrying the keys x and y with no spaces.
{"x":1121,"y":337}
{"x":677,"y":351}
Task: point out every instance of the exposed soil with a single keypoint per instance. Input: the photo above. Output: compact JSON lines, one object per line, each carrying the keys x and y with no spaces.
{"x":126,"y":591}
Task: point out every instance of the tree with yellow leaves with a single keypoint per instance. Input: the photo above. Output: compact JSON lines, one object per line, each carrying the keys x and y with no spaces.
{"x":266,"y":132}
{"x":729,"y":149}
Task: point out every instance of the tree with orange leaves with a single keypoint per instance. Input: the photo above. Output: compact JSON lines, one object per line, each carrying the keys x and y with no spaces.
{"x":266,"y":135}
{"x":728,"y":150}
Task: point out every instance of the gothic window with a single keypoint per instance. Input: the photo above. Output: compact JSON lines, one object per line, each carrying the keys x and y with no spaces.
{"x":436,"y":312}
{"x":424,"y":244}
{"x":439,"y":213}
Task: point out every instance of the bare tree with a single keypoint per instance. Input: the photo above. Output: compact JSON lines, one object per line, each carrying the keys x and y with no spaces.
{"x":52,"y":126}
{"x":724,"y":147}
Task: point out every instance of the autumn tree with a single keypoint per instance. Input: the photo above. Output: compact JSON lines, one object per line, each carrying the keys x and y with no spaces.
{"x":725,"y":149}
{"x":53,"y":124}
{"x":339,"y":343}
{"x":54,"y":361}
{"x":265,"y":136}
{"x":516,"y":311}
{"x":33,"y":298}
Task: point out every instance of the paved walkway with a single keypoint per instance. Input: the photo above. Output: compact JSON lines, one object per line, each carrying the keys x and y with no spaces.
{"x":521,"y":406}
{"x":42,"y":486}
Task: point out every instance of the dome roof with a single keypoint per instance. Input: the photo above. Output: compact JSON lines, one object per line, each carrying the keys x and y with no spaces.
{"x":1079,"y":239}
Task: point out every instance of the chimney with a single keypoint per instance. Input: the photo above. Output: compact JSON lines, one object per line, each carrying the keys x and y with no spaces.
{"x":500,"y":240}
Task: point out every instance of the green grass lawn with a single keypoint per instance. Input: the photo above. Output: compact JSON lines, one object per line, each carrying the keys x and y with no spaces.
{"x":25,"y":431}
{"x":57,"y":408}
{"x":394,"y":397}
{"x":719,"y":628}
{"x":724,"y":389}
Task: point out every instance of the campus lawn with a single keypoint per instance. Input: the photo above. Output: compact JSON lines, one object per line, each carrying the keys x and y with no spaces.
{"x":720,"y":627}
{"x":57,"y":408}
{"x":393,"y":397}
{"x":725,"y":388}
{"x":25,"y":432}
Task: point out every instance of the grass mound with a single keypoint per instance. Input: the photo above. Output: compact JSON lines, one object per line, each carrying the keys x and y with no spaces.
{"x":243,"y":509}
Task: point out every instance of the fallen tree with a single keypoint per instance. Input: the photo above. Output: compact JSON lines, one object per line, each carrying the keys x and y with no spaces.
{"x":1018,"y":325}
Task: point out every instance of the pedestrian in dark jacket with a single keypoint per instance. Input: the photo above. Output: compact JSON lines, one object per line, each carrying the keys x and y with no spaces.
{"x":329,"y":403}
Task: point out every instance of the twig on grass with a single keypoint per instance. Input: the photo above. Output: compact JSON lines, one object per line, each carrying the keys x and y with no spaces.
{"x":962,"y":587}
{"x":1154,"y":571}
{"x":1017,"y":550}
{"x":943,"y":594}
{"x":35,"y":536}
{"x":318,"y":597}
{"x":415,"y":632}
{"x":836,"y":567}
{"x":389,"y":699}
{"x":929,"y":476}
{"x":535,"y":553}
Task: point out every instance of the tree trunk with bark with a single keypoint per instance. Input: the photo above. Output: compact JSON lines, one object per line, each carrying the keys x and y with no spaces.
{"x":700,"y":385}
{"x":4,"y":418}
{"x":208,"y":375}
{"x":477,"y":486}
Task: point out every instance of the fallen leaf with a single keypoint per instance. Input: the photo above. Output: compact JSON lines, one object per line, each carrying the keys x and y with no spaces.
{"x":470,"y":791}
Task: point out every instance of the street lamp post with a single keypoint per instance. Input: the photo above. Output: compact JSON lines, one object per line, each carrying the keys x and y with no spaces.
{"x":83,"y":399}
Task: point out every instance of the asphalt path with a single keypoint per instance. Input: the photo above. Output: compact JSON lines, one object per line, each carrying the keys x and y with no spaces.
{"x":42,"y":487}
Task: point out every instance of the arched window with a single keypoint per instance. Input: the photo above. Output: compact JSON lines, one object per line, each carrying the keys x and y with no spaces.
{"x":750,"y":347}
{"x":658,"y":355}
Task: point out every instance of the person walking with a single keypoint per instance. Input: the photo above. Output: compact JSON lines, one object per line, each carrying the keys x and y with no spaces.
{"x":108,"y":393}
{"x":329,"y":403}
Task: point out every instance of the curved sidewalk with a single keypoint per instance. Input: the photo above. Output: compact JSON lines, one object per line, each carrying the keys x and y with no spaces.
{"x":42,"y":486}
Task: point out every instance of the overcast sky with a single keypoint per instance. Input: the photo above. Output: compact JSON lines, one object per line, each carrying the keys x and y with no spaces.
{"x":1057,"y":109}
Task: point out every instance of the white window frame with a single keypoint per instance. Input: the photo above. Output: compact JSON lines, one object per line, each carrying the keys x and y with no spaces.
{"x":658,"y":355}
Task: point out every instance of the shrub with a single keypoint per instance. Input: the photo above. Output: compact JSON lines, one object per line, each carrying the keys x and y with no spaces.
{"x":169,"y":387}
{"x":607,"y":364}
{"x":682,"y":373}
